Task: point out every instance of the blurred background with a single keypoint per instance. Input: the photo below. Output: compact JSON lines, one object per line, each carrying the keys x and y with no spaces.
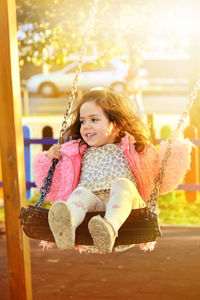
{"x":148,"y":49}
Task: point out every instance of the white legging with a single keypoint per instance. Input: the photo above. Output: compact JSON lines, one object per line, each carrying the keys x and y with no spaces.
{"x":124,"y":197}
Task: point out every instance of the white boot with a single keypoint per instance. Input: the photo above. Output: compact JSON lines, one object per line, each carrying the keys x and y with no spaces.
{"x":102,"y":233}
{"x":62,"y":225}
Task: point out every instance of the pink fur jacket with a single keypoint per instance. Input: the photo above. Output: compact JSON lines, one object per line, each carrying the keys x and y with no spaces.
{"x":145,"y":166}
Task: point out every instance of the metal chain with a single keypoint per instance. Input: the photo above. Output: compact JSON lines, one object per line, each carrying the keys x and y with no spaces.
{"x":69,"y":103}
{"x":153,"y":198}
{"x":192,"y":97}
{"x":44,"y":190}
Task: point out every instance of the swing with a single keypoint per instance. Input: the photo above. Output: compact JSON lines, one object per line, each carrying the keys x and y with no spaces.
{"x":142,"y":224}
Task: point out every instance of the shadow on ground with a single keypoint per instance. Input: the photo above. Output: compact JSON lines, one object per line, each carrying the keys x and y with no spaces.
{"x":170,"y":272}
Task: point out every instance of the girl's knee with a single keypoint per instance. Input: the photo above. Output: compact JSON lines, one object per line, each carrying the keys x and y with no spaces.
{"x":123,"y":183}
{"x":80,"y":191}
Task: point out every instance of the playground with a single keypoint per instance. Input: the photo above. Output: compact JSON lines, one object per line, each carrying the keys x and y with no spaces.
{"x":171,"y":271}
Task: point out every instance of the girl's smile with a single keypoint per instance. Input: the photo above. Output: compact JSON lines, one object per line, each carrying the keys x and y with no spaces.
{"x":96,"y":129}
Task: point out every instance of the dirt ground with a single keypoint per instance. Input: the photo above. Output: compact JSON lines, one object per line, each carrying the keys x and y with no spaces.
{"x":170,"y":272}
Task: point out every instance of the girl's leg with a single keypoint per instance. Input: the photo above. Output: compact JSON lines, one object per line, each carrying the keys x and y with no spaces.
{"x":123,"y":197}
{"x":65,"y":217}
{"x":81,"y":201}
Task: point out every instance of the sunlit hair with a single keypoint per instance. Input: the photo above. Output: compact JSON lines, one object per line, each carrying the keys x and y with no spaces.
{"x":119,"y":109}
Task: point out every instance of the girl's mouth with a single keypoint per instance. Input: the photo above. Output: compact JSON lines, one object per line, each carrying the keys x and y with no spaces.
{"x":88,"y":135}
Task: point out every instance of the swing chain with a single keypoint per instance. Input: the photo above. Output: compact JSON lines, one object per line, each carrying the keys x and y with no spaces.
{"x":192,"y":97}
{"x":153,"y":198}
{"x":69,"y":104}
{"x":44,"y":190}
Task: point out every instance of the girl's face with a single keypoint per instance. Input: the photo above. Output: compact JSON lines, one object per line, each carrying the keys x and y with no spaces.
{"x":96,"y":129}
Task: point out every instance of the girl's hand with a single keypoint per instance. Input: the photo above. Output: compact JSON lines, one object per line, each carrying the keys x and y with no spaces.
{"x":54,"y":152}
{"x":174,"y":135}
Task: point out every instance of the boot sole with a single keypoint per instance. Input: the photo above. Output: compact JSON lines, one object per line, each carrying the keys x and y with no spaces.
{"x":100,"y":234}
{"x":61,"y":225}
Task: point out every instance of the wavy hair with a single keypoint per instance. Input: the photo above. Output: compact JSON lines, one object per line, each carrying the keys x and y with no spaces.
{"x":119,"y":109}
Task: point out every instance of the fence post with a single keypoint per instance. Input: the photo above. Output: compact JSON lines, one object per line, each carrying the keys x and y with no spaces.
{"x":27,"y":159}
{"x":192,"y":175}
{"x":164,"y":134}
{"x":47,"y":132}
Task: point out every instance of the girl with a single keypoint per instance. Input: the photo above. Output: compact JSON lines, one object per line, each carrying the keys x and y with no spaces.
{"x":109,"y":165}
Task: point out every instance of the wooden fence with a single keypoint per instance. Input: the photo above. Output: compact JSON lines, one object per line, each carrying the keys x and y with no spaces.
{"x":48,"y":141}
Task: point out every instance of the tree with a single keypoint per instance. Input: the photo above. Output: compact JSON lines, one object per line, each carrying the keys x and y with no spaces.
{"x":50,"y":31}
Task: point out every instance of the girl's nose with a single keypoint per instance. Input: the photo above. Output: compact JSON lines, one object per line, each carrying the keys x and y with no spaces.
{"x":87,"y":125}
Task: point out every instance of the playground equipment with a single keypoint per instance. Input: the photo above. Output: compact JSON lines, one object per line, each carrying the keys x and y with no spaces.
{"x":12,"y":152}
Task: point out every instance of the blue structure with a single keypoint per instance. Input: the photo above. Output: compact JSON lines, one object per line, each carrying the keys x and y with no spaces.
{"x":27,"y":159}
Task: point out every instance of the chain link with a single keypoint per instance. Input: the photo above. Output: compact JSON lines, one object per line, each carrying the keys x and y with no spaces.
{"x":192,"y":97}
{"x":44,"y":190}
{"x":152,"y":201}
{"x":69,"y":103}
{"x":153,"y":198}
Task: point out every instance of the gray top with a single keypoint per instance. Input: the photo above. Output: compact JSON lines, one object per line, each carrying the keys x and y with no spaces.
{"x":101,"y":166}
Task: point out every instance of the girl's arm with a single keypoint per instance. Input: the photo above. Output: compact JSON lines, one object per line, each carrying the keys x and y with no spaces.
{"x":43,"y":162}
{"x":41,"y":165}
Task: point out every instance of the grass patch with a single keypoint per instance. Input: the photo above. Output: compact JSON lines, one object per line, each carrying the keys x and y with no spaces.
{"x":34,"y":200}
{"x":178,"y":210}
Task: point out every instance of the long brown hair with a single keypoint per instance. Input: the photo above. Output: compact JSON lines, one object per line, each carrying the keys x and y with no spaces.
{"x":119,"y":109}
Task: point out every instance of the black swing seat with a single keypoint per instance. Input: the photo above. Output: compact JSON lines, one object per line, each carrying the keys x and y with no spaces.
{"x":140,"y":227}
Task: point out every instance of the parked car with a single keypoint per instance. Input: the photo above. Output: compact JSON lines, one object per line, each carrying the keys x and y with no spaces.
{"x":51,"y":84}
{"x":166,"y":73}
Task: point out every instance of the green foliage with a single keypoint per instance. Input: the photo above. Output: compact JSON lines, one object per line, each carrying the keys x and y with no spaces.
{"x":121,"y":28}
{"x":34,"y":200}
{"x":179,"y":211}
{"x":165,"y":132}
{"x":58,"y":28}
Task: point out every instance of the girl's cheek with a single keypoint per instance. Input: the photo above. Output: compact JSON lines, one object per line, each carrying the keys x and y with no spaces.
{"x":81,"y":131}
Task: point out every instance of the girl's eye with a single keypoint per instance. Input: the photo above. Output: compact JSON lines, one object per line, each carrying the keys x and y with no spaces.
{"x":94,"y":119}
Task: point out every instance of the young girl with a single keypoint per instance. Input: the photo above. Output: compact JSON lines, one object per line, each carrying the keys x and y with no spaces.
{"x":109,"y":165}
